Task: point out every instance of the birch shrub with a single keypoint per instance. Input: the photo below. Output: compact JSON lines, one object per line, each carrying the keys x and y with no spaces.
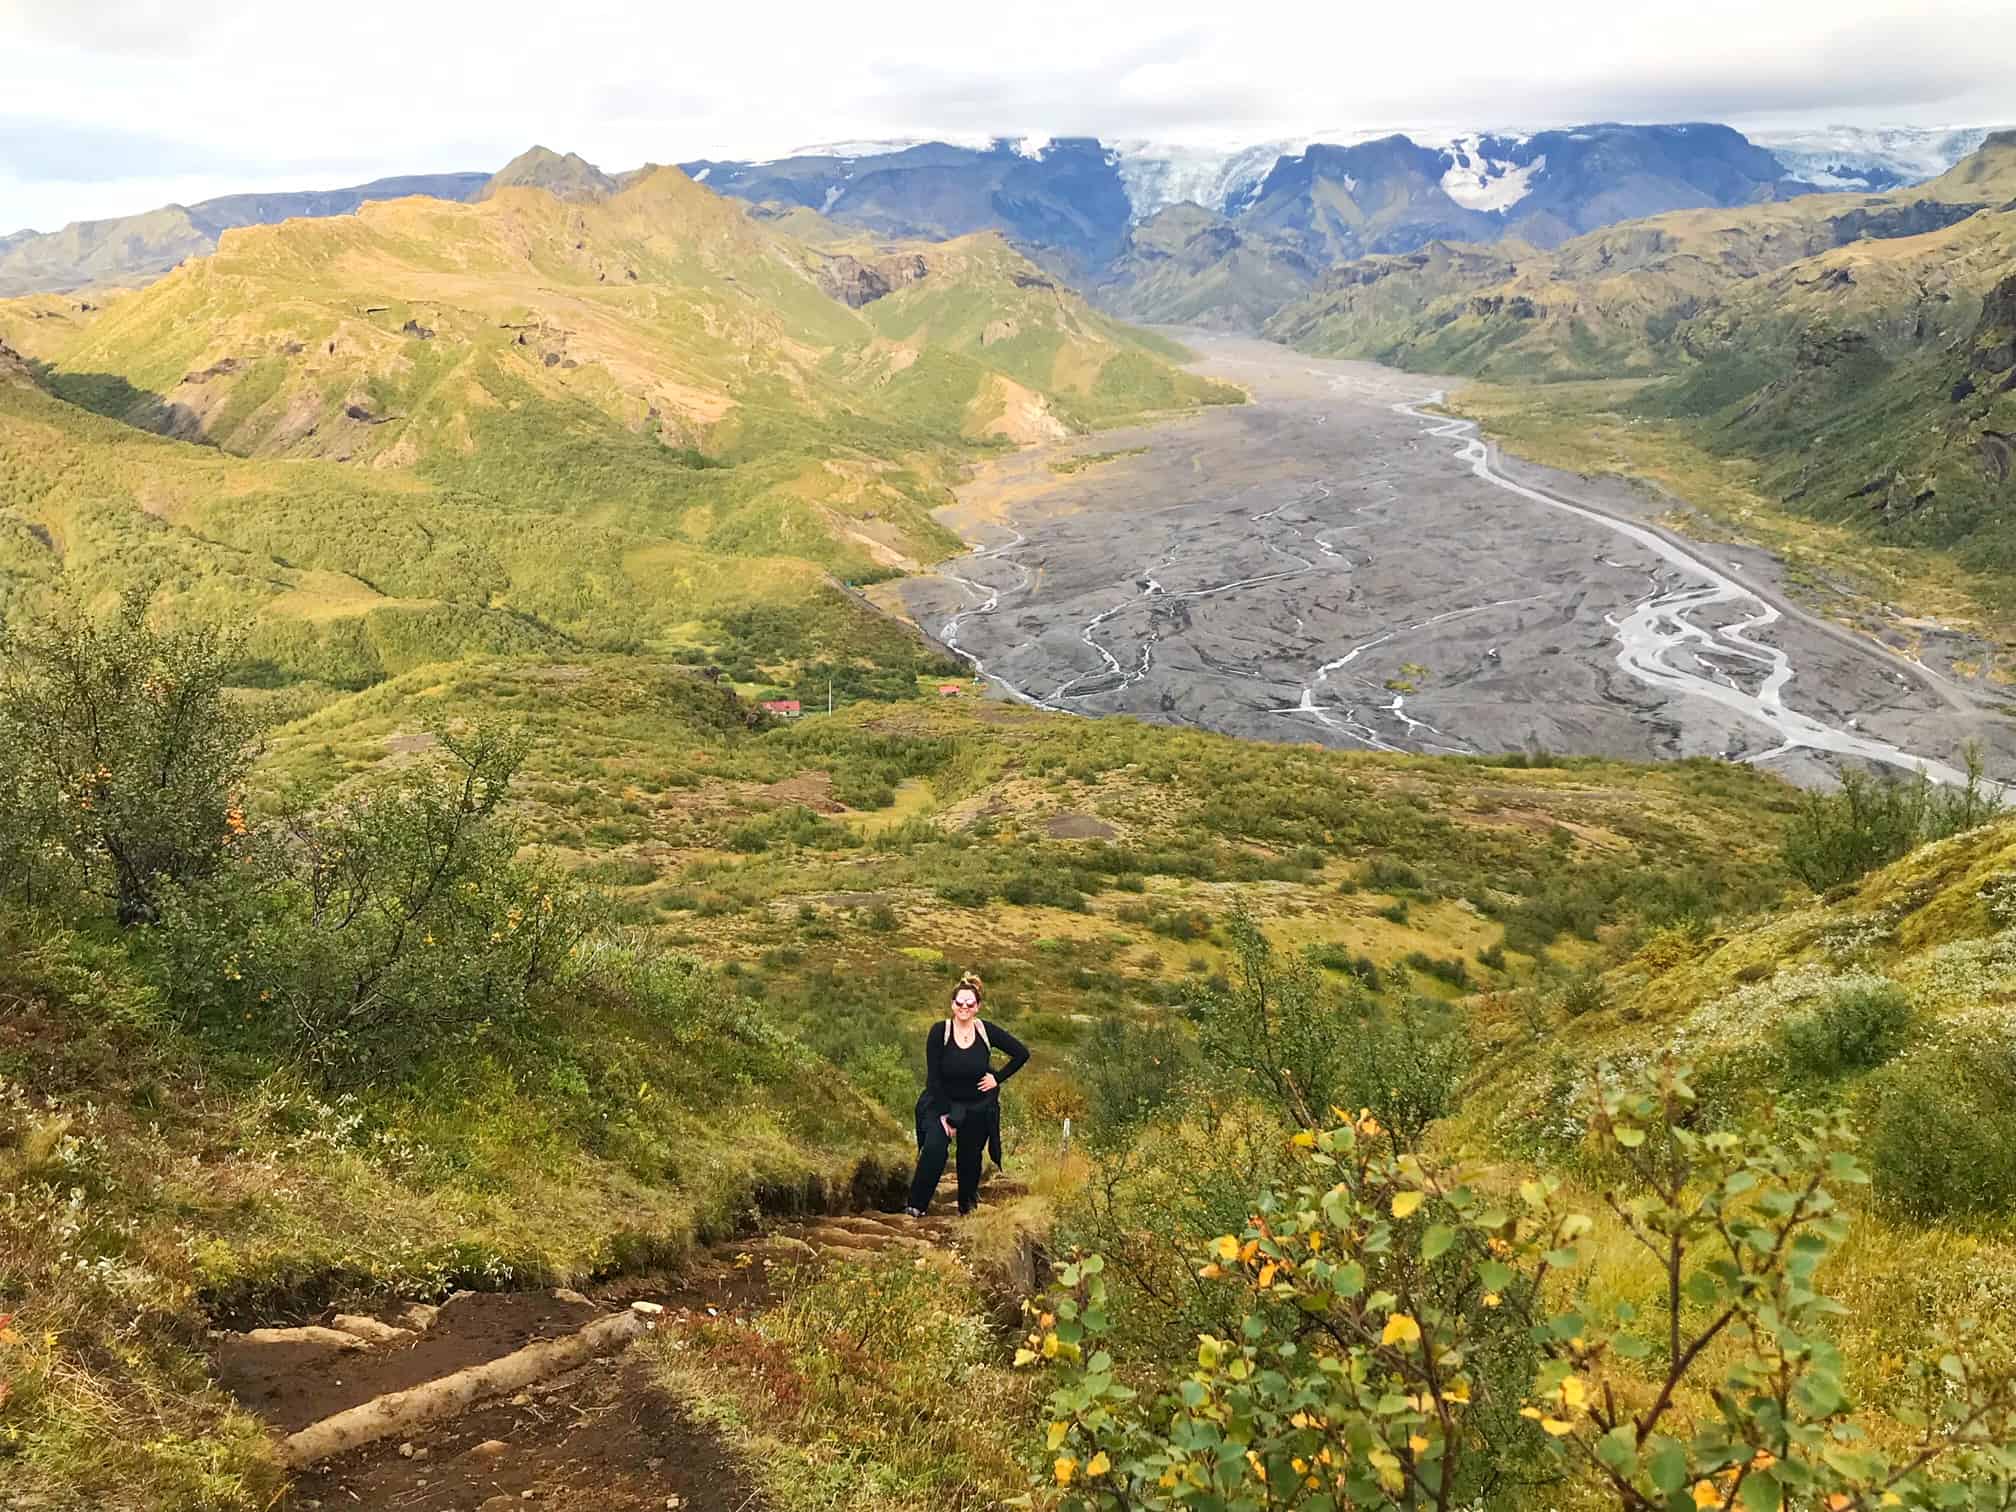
{"x":1413,"y":1336}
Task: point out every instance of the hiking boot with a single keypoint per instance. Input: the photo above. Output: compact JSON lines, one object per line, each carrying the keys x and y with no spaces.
{"x":913,"y":1212}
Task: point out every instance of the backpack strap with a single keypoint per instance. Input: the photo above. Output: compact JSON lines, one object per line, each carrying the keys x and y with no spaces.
{"x":978,"y":1024}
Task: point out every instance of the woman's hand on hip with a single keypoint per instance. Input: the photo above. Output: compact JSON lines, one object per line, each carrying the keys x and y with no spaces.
{"x":987,"y":1082}
{"x":945,"y":1124}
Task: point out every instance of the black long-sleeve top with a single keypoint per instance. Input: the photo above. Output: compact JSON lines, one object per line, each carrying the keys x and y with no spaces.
{"x":952,"y":1075}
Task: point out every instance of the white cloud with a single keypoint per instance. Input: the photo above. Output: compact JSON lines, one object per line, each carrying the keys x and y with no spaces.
{"x":120,"y":100}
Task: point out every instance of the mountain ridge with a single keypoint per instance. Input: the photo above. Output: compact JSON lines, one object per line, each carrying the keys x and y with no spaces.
{"x":1079,"y":205}
{"x":138,"y":248}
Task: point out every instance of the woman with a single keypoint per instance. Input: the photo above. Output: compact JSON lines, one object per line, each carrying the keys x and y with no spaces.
{"x":962,"y":1097}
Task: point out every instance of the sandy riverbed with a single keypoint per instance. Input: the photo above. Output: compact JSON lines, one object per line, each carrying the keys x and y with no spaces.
{"x":1320,"y":565}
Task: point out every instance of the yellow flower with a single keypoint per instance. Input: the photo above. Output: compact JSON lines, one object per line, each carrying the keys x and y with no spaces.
{"x":1066,"y":1468}
{"x":1401,"y":1329}
{"x":1492,"y":1299}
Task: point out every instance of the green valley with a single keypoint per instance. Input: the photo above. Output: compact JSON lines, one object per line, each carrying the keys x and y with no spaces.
{"x":478,"y":869}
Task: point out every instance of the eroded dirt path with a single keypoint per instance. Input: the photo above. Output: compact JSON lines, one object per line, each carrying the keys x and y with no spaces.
{"x":603,"y":1437}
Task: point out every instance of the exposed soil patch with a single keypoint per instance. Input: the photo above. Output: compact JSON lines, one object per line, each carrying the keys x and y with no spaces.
{"x":293,"y":1385}
{"x":814,"y":790}
{"x":1078,"y":827}
{"x":604,"y":1437}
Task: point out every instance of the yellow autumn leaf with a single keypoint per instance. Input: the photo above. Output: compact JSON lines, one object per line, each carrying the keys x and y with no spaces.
{"x":1098,"y":1464}
{"x":1303,"y":1140}
{"x":1406,"y":1204}
{"x":1227,"y":1247}
{"x":1065,"y":1469}
{"x":1057,"y":1433}
{"x":1267,"y":1275}
{"x":1573,"y":1392}
{"x":1705,"y":1494}
{"x":1556,"y":1427}
{"x":1401,"y":1329}
{"x":1417,"y":1443}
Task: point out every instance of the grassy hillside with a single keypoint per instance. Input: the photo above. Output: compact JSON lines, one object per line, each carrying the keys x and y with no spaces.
{"x":1614,"y":301}
{"x":351,"y":575}
{"x":785,"y":907}
{"x":1888,"y":1000}
{"x":434,"y":428}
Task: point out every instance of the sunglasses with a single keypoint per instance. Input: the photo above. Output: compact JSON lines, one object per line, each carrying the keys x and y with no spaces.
{"x":966,"y":1000}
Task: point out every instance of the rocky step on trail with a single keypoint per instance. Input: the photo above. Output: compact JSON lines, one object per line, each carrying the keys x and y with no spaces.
{"x":533,"y":1399}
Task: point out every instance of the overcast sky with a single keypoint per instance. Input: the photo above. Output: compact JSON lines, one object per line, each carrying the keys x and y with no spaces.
{"x":113,"y":106}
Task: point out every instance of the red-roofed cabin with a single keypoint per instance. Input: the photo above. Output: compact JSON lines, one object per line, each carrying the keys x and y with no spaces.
{"x":950,"y":690}
{"x":783,"y":708}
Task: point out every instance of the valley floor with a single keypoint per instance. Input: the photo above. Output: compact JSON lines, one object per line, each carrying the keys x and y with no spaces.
{"x":1331,"y":563}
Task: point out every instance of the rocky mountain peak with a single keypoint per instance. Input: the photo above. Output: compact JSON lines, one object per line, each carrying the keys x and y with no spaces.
{"x":568,"y":177}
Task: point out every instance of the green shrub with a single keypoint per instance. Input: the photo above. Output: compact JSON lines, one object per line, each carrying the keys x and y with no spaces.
{"x":1406,"y":1064}
{"x":1837,"y":837}
{"x":1131,"y":1072}
{"x":1452,"y":971}
{"x":373,"y":935}
{"x":1583,"y":994}
{"x":1277,"y":1030}
{"x":124,"y":753}
{"x":1339,"y":958}
{"x":1385,"y":874}
{"x":1857,"y":1028}
{"x":1942,"y":1132}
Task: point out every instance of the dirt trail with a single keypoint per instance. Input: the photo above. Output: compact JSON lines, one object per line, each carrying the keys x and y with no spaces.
{"x":604,"y":1437}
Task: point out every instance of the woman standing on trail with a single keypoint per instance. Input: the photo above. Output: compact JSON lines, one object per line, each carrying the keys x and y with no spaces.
{"x":962,"y":1097}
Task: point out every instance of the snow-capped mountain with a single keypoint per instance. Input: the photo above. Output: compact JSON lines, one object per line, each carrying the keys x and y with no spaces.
{"x":1869,"y":157}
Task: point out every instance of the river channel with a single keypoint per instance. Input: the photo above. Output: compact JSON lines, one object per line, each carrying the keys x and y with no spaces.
{"x":1335,"y":562}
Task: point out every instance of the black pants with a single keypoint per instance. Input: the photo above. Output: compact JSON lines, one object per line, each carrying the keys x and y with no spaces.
{"x":931,"y":1154}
